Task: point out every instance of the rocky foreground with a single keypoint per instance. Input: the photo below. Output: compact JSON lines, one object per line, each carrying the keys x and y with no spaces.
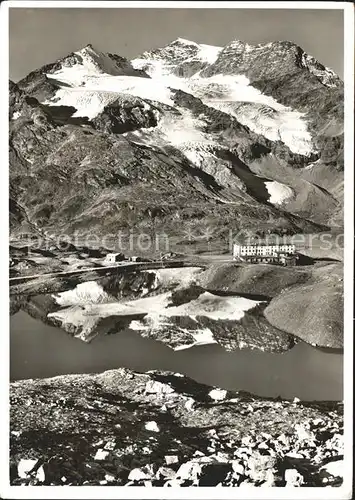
{"x":162,"y":429}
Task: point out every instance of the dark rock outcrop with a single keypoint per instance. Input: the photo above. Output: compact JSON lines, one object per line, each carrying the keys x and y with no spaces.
{"x":124,"y":115}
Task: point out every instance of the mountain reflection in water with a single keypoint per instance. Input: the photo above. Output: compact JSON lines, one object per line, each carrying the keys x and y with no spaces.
{"x":38,"y":350}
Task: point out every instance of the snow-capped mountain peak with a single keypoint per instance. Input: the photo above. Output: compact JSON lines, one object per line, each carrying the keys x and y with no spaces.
{"x":96,"y":62}
{"x":79,"y":67}
{"x":179,"y":54}
{"x":272,"y":60}
{"x":183,"y":41}
{"x":221,"y":77}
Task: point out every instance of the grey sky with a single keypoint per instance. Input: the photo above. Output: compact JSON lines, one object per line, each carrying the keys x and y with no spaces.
{"x":40,"y":36}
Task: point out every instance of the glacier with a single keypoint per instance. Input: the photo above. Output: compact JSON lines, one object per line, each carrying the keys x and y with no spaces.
{"x":93,"y":83}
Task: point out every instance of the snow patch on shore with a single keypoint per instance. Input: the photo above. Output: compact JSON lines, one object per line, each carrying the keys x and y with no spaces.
{"x":85,"y":307}
{"x":214,"y":307}
{"x":170,"y":277}
{"x":155,"y":307}
{"x":89,"y":292}
{"x":201,"y":337}
{"x":206,"y":305}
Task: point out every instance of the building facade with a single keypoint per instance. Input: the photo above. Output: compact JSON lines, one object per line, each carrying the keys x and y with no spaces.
{"x":284,"y":254}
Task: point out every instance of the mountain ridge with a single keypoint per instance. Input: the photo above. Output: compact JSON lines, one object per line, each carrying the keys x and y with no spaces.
{"x":209,"y":130}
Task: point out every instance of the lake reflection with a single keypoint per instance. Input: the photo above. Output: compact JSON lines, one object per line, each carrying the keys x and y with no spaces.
{"x":38,"y":350}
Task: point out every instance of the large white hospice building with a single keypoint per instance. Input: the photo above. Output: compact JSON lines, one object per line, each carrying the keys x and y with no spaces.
{"x":284,"y":254}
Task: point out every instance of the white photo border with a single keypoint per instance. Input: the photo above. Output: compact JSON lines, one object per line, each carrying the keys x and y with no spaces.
{"x":92,"y":492}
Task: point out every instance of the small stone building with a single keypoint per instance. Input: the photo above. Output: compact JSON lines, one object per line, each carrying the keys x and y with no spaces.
{"x":112,"y":258}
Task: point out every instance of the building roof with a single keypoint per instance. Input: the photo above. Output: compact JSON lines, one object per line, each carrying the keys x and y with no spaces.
{"x":264,"y":245}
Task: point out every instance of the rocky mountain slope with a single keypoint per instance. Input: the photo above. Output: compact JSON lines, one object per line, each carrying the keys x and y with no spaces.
{"x":188,"y":134}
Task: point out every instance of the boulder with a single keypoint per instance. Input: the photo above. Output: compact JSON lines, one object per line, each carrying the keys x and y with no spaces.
{"x":293,"y":478}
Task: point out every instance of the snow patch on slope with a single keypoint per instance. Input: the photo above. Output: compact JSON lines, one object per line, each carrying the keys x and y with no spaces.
{"x":261,"y":113}
{"x":326,"y":75}
{"x":88,"y":62}
{"x":144,"y":88}
{"x":198,"y":154}
{"x":279,"y":193}
{"x":96,"y":61}
{"x":209,"y":53}
{"x":336,"y":468}
{"x":182,"y":131}
{"x":185,"y":41}
{"x":87,"y":103}
{"x":155,"y":68}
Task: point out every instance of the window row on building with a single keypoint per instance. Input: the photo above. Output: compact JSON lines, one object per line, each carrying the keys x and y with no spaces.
{"x":263,"y":249}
